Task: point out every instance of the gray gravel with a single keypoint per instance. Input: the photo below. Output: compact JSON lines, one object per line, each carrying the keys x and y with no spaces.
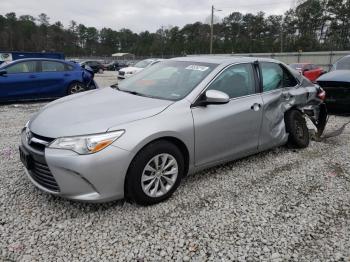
{"x":106,"y":79}
{"x":280,"y":205}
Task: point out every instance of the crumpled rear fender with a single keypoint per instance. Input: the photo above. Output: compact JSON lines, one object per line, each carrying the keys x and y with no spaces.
{"x":277,"y":103}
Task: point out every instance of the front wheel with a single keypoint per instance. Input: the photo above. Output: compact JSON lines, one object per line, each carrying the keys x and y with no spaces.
{"x":297,"y":129}
{"x":75,"y":88}
{"x":155,"y":173}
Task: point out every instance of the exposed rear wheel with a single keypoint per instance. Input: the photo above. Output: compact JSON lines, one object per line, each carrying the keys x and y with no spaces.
{"x":75,"y":88}
{"x":297,"y":129}
{"x":155,"y":173}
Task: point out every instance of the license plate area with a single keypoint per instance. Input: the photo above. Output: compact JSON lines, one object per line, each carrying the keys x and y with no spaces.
{"x":25,"y":157}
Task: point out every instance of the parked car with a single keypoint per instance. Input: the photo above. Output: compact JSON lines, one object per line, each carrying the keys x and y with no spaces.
{"x":115,"y":66}
{"x":310,"y":71}
{"x":194,"y":112}
{"x":32,"y":79}
{"x":336,"y":83}
{"x":139,"y":66}
{"x":95,"y":65}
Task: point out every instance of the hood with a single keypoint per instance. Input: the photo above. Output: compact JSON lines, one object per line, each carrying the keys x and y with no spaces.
{"x":93,"y":112}
{"x":131,"y":69}
{"x":336,"y":76}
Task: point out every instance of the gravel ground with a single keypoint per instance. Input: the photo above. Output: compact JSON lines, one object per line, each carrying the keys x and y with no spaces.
{"x":106,"y":79}
{"x":280,"y":205}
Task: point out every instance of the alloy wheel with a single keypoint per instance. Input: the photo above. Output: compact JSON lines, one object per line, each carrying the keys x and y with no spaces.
{"x":159,"y":175}
{"x":76,"y":89}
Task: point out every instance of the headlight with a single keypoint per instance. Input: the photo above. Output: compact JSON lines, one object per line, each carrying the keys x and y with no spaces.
{"x":89,"y":144}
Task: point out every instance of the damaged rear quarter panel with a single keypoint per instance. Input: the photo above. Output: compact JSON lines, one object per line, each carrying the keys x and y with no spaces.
{"x":276,"y":104}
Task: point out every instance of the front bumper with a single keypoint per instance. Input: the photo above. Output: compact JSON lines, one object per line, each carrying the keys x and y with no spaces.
{"x":97,"y":177}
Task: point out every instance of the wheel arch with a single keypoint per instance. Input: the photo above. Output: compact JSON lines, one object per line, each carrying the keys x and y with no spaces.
{"x":172,"y":139}
{"x":72,"y":82}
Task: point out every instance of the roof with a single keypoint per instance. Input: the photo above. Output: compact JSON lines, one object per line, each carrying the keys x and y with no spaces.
{"x":41,"y":59}
{"x":222,"y":59}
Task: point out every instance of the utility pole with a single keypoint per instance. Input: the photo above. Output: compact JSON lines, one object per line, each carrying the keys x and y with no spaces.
{"x":281,"y":35}
{"x":212,"y":27}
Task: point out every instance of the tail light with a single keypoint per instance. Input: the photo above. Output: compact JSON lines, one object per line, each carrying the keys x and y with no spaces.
{"x":321,"y":94}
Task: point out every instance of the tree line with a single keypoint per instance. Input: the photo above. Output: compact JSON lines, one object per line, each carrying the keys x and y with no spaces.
{"x":314,"y":25}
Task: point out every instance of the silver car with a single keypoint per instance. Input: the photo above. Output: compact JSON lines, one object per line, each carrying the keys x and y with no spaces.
{"x":139,"y":139}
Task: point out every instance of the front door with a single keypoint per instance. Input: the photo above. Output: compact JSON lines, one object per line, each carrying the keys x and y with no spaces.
{"x":21,"y":81}
{"x":231,"y":130}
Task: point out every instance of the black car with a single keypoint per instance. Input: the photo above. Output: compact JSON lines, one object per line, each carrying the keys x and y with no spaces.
{"x":336,"y":83}
{"x":95,"y":65}
{"x":115,"y":66}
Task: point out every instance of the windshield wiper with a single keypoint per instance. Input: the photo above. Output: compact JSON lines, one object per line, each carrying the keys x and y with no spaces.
{"x":115,"y":86}
{"x":132,"y":92}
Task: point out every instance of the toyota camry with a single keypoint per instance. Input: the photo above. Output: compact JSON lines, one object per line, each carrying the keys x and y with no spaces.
{"x":138,"y":139}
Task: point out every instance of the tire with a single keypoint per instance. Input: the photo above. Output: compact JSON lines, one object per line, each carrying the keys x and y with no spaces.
{"x":141,"y":181}
{"x":297,"y":129}
{"x":75,"y":88}
{"x":100,"y":71}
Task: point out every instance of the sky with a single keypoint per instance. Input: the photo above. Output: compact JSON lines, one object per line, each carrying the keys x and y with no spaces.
{"x":138,"y":15}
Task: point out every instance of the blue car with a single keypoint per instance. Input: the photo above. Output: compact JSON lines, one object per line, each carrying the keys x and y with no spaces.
{"x":42,"y":78}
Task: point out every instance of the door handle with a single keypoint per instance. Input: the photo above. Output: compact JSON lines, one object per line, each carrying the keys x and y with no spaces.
{"x":66,"y":74}
{"x":32,"y":76}
{"x":256,"y":107}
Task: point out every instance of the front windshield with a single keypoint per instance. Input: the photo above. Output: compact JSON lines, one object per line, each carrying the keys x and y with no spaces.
{"x":170,"y":80}
{"x":342,"y":64}
{"x":143,"y":63}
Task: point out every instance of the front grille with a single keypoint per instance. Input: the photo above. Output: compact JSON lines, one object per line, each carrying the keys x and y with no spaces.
{"x":42,"y":175}
{"x":39,"y":142}
{"x":121,"y":73}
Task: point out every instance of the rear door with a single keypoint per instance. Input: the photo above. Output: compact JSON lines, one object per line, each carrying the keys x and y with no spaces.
{"x":277,"y":86}
{"x":22,"y":81}
{"x":231,"y":130}
{"x":55,"y":78}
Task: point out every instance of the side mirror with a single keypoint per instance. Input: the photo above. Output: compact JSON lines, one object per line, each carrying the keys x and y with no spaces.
{"x":3,"y":72}
{"x":214,"y":97}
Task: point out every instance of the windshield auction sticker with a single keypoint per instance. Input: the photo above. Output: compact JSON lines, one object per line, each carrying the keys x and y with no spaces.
{"x":197,"y":68}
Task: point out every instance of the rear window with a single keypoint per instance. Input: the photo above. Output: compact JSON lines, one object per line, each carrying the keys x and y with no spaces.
{"x":342,"y":64}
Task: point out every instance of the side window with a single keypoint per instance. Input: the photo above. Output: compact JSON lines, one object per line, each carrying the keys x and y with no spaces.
{"x":51,"y":66}
{"x":236,"y":81}
{"x":288,"y":79}
{"x":272,"y":75}
{"x":22,"y":67}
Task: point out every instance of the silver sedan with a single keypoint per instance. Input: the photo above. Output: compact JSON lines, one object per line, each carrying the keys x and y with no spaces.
{"x":138,"y":140}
